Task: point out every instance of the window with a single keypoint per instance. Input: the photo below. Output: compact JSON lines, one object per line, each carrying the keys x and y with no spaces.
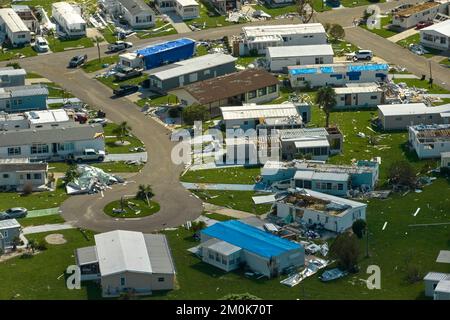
{"x":39,"y":148}
{"x":273,"y":88}
{"x":5,"y":176}
{"x":122,"y":281}
{"x":373,"y":97}
{"x":211,"y":254}
{"x":206,"y":72}
{"x":319,"y":60}
{"x":5,"y":233}
{"x":328,"y":185}
{"x":245,"y":123}
{"x":14,"y":151}
{"x":318,"y":218}
{"x":262,"y":92}
{"x":398,"y":119}
{"x":340,"y":186}
{"x":428,"y":37}
{"x":161,"y":279}
{"x":69,"y":146}
{"x":193,"y":77}
{"x":37,"y":176}
{"x":326,"y":219}
{"x":300,"y":78}
{"x":252,"y":94}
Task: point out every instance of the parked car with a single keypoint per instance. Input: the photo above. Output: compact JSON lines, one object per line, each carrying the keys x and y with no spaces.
{"x":87,"y":155}
{"x":127,"y":73}
{"x":119,"y":46}
{"x":14,"y":213}
{"x":360,"y":55}
{"x":125,"y":89}
{"x":41,"y":45}
{"x":77,"y":61}
{"x":101,"y":121}
{"x":423,"y":24}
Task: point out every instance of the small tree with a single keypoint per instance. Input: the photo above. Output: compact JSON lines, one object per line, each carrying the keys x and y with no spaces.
{"x":97,"y":40}
{"x":359,"y":228}
{"x":413,"y":273}
{"x":240,"y":296}
{"x":122,"y":131}
{"x":195,"y":112}
{"x":336,"y":32}
{"x":345,"y":249}
{"x":16,"y":242}
{"x":71,"y":174}
{"x":326,"y":99}
{"x":197,"y":226}
{"x":145,"y":192}
{"x":31,"y":245}
{"x":402,"y":173}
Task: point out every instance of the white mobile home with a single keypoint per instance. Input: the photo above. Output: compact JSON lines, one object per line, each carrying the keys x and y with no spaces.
{"x":137,"y":13}
{"x":409,"y":17}
{"x":429,"y":141}
{"x":315,"y":208}
{"x":338,"y":74}
{"x":16,"y":173}
{"x":280,"y":58}
{"x":445,"y":160}
{"x":68,"y":18}
{"x":400,"y":116}
{"x":9,"y":230}
{"x":10,"y":77}
{"x":13,"y":29}
{"x":258,"y":38}
{"x":187,"y":9}
{"x":359,"y":95}
{"x":436,"y":36}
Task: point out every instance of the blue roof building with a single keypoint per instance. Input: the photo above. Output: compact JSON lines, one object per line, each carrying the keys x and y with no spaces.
{"x":227,"y":245}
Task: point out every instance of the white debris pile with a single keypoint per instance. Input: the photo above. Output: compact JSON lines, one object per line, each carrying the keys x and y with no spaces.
{"x":91,"y":180}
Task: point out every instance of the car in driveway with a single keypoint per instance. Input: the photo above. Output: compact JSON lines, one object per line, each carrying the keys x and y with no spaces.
{"x":41,"y":45}
{"x":77,"y":61}
{"x":127,"y":73}
{"x":360,"y":55}
{"x":119,"y":46}
{"x":14,"y":213}
{"x":423,"y":24}
{"x":125,"y":89}
{"x":101,"y":121}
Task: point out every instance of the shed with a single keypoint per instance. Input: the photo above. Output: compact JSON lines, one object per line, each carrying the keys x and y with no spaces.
{"x":431,"y":281}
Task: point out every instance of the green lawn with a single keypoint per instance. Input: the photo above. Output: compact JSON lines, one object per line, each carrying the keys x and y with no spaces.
{"x":95,"y":64}
{"x":37,"y":221}
{"x":42,"y":276}
{"x":238,"y":200}
{"x":318,"y":5}
{"x":56,"y":91}
{"x":208,"y":17}
{"x":113,"y":84}
{"x":383,"y":31}
{"x":33,"y":75}
{"x":90,"y":5}
{"x":445,"y":62}
{"x":136,"y":205}
{"x":109,"y":34}
{"x":57,"y":45}
{"x":15,"y":53}
{"x":111,"y":147}
{"x":238,"y":175}
{"x":246,"y":60}
{"x":115,"y":167}
{"x":218,"y":216}
{"x":342,"y":47}
{"x":168,"y":99}
{"x":422,"y":84}
{"x":34,"y":201}
{"x":167,"y":30}
{"x":356,"y":3}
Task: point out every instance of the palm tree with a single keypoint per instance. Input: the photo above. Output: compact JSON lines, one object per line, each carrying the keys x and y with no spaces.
{"x":98,"y":39}
{"x":145,"y":192}
{"x":122,"y":131}
{"x":326,"y":99}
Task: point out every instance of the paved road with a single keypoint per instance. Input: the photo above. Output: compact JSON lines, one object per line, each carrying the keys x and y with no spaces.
{"x":177,"y":204}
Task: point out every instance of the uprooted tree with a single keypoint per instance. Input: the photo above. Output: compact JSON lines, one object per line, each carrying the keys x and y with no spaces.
{"x":401,"y":173}
{"x":195,"y":112}
{"x":345,"y":249}
{"x":336,"y":31}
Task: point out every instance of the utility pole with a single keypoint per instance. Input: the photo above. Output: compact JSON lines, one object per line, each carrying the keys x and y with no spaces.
{"x":430,"y":82}
{"x":367,"y":241}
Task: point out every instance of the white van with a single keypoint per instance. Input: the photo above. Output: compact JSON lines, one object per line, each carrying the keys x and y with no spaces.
{"x":41,"y":45}
{"x":363,"y":55}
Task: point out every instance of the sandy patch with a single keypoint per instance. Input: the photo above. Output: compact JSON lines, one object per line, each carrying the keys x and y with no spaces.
{"x":55,"y":238}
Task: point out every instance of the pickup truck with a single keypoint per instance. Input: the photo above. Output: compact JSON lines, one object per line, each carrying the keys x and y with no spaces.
{"x":87,"y":155}
{"x":127,"y":73}
{"x":125,"y":89}
{"x":119,"y":46}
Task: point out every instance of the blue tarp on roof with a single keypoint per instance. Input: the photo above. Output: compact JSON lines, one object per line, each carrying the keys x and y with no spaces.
{"x":326,"y":69}
{"x":368,"y":67}
{"x":250,"y":238}
{"x":303,"y":71}
{"x":167,"y":52}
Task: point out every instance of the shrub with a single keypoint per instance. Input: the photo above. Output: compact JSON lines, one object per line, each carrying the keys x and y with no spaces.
{"x":413,"y":274}
{"x":41,"y":246}
{"x":26,"y":255}
{"x":27,"y":189}
{"x":359,"y":227}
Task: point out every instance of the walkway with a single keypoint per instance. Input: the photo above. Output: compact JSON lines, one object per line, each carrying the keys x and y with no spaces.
{"x":227,"y":211}
{"x":223,"y":186}
{"x":60,"y":100}
{"x":43,"y":212}
{"x":403,"y":35}
{"x":178,"y":23}
{"x":47,"y":228}
{"x":137,"y":156}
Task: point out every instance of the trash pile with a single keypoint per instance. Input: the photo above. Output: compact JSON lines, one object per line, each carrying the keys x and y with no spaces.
{"x":402,"y":93}
{"x":312,"y":267}
{"x":91,"y":180}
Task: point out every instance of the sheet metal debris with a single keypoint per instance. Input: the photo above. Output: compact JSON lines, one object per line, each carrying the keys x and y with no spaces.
{"x":91,"y":180}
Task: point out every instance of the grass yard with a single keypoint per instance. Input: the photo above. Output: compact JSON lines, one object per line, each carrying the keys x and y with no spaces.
{"x":113,"y":84}
{"x":42,"y":276}
{"x":111,"y":147}
{"x":357,"y":3}
{"x":136,"y":205}
{"x":217,"y":216}
{"x":342,"y":47}
{"x":208,"y":17}
{"x":33,"y":75}
{"x":445,"y":62}
{"x":246,"y":60}
{"x":237,"y":200}
{"x":237,"y":175}
{"x":34,"y":201}
{"x":56,"y":91}
{"x":423,"y":84}
{"x":37,"y":221}
{"x":57,"y":45}
{"x":167,"y":30}
{"x":157,"y":101}
{"x":115,"y":167}
{"x":89,"y":5}
{"x":96,"y":65}
{"x":108,"y":34}
{"x":382,"y":32}
{"x":318,"y":5}
{"x":15,"y":53}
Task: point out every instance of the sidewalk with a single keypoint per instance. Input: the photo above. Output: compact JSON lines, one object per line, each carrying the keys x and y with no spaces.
{"x":226,"y":211}
{"x":403,"y":35}
{"x":47,"y":228}
{"x":137,"y":156}
{"x":177,"y":23}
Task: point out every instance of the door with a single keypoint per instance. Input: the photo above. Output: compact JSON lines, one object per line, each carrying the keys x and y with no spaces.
{"x":55,"y":148}
{"x":348,"y":99}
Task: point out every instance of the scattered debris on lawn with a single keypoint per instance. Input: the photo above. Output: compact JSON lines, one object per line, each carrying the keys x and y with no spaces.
{"x":91,"y":180}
